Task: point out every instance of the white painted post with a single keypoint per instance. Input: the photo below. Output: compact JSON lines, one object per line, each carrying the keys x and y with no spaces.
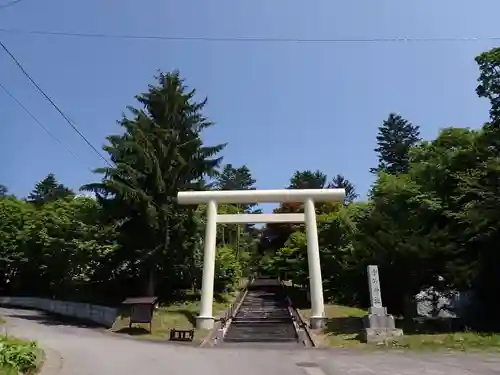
{"x":316,"y":285}
{"x":308,"y":196}
{"x":206,"y":320}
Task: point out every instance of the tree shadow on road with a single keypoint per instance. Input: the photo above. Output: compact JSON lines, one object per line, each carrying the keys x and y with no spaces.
{"x":133,"y":331}
{"x":50,"y":319}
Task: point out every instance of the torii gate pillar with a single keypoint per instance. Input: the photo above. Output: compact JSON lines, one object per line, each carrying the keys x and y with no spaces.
{"x":205,"y":319}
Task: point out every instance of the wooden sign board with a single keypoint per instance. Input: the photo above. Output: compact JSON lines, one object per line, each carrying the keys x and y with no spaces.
{"x":141,"y":313}
{"x":141,"y":309}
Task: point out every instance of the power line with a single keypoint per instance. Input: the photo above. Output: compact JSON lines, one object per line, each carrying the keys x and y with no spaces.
{"x":251,"y":39}
{"x":55,"y":106}
{"x":37,"y":121}
{"x":10,"y":4}
{"x":16,"y":61}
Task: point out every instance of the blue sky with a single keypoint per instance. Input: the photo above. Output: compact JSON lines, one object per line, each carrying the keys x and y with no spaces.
{"x":280,"y":106}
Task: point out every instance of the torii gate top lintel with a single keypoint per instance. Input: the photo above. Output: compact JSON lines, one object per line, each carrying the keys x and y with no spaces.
{"x":307,"y":196}
{"x":261,"y":196}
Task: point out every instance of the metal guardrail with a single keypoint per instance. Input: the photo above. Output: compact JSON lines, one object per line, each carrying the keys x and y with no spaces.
{"x":222,"y":323}
{"x":233,"y":309}
{"x":300,"y":325}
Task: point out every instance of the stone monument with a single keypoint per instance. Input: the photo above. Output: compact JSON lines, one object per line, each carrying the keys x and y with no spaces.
{"x":379,"y":326}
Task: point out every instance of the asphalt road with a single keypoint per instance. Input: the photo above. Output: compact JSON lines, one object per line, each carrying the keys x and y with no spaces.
{"x":79,"y":350}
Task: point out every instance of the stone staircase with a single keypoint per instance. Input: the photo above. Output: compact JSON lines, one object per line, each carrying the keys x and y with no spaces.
{"x":263,"y":316}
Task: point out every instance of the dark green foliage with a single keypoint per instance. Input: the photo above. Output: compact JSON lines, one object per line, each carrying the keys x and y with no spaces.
{"x":160,"y":153}
{"x":242,"y":239}
{"x":340,"y":182}
{"x":3,"y":190}
{"x":275,"y":235}
{"x":432,"y":219}
{"x":133,"y":238}
{"x":49,"y":190}
{"x":395,"y":138}
{"x":489,"y":80}
{"x":232,"y":178}
{"x":308,"y":180}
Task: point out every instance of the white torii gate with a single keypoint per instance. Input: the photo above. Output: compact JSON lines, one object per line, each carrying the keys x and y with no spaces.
{"x":307,"y":196}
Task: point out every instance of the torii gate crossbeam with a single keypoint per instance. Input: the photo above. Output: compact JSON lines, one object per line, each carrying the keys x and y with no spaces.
{"x":306,"y":196}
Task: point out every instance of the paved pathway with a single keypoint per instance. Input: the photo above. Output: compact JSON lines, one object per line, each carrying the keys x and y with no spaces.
{"x":86,"y":351}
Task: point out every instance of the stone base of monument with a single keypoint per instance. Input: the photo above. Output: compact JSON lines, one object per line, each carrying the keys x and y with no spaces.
{"x":381,"y":335}
{"x":380,"y":326}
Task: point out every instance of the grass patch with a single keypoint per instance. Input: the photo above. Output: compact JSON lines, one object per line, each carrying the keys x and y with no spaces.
{"x":178,"y":315}
{"x":344,"y":326}
{"x":18,"y":356}
{"x":454,"y":341}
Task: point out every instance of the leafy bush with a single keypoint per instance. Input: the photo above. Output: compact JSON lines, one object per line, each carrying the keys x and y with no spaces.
{"x":227,"y":270}
{"x":18,"y":355}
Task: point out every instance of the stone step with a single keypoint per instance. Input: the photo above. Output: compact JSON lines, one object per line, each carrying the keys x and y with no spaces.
{"x":253,"y":338}
{"x":263,"y":316}
{"x":273,"y":345}
{"x":263,"y":309}
{"x":261,"y":321}
{"x":249,"y":332}
{"x":264,"y":305}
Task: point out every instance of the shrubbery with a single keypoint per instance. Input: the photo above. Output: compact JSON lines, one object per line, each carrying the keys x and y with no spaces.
{"x":18,"y":355}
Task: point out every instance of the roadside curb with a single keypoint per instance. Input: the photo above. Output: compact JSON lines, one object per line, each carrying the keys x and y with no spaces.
{"x":52,"y":361}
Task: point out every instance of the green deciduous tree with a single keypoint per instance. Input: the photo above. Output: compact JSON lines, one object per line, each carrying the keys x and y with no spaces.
{"x":431,"y":219}
{"x":227,"y":270}
{"x":58,"y":249}
{"x":489,"y":80}
{"x":275,"y":235}
{"x":232,"y":178}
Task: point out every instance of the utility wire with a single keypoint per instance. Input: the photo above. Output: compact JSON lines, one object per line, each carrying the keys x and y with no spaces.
{"x":3,"y":6}
{"x":37,"y":121}
{"x":53,"y":104}
{"x":251,"y":39}
{"x":56,"y":107}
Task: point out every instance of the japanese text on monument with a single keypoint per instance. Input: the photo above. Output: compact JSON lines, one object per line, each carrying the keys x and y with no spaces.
{"x":374,"y":286}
